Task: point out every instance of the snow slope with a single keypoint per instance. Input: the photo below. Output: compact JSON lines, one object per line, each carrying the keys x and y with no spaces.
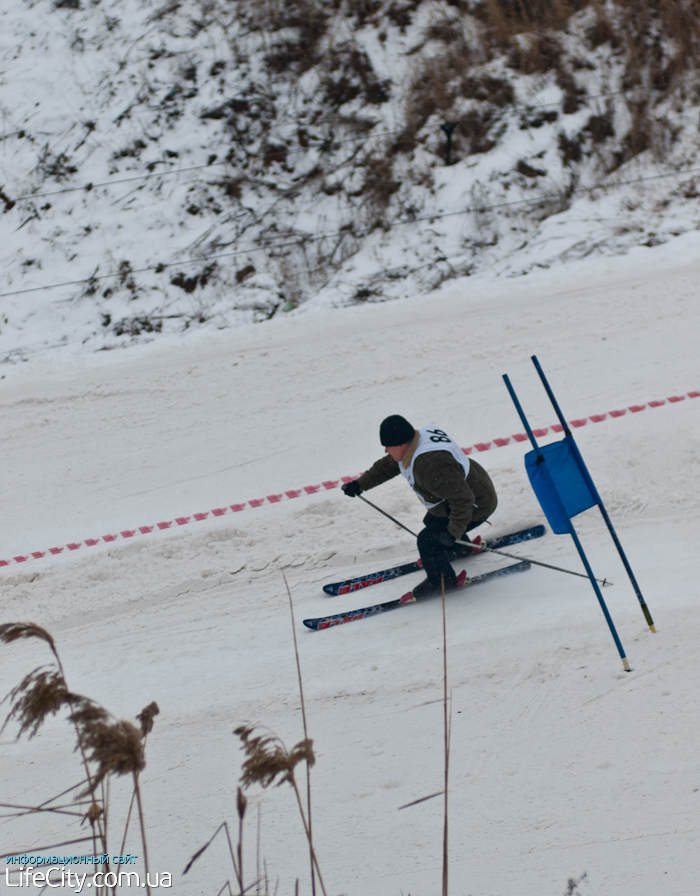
{"x":561,"y":762}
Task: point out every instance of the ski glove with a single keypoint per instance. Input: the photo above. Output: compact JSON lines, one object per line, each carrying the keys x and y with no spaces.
{"x":352,"y":489}
{"x":445,"y":539}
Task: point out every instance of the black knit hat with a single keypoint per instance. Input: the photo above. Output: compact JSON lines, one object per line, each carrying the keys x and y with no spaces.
{"x":395,"y":430}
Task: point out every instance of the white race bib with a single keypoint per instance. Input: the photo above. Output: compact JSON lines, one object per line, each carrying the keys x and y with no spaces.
{"x":433,"y":439}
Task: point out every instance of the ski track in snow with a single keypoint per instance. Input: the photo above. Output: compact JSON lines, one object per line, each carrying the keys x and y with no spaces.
{"x":561,"y":763}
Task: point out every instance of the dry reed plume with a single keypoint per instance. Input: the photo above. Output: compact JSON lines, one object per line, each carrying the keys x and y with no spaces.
{"x":108,"y":747}
{"x":268,"y":761}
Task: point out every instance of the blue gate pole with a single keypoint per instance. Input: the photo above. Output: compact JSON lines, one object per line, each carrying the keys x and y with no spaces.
{"x":589,"y":481}
{"x":521,"y":413}
{"x":572,"y":531}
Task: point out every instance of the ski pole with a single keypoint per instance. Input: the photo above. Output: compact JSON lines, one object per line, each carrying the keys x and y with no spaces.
{"x":479,"y":548}
{"x":388,"y":516}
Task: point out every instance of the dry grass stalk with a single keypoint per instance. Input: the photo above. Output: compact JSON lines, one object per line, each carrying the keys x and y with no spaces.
{"x":306,"y":736}
{"x":146,"y":720}
{"x":142,"y":826}
{"x":241,"y":805}
{"x":236,"y":855}
{"x":447,"y":726}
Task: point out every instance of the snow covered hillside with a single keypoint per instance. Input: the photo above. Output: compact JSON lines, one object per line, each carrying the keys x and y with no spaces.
{"x":209,"y":163}
{"x":561,"y":763}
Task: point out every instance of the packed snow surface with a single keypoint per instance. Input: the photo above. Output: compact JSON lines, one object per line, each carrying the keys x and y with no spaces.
{"x":561,"y":762}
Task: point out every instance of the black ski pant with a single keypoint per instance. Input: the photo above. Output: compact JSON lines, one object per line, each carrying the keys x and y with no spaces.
{"x":435,"y":556}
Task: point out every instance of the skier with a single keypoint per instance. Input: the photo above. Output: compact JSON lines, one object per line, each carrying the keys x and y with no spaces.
{"x":457,"y":491}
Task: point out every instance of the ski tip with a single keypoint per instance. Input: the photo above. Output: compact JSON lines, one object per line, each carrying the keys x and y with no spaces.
{"x":312,"y":624}
{"x":331,"y":589}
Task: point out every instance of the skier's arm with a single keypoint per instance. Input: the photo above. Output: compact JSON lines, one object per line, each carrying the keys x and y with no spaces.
{"x":381,"y":471}
{"x":444,"y":478}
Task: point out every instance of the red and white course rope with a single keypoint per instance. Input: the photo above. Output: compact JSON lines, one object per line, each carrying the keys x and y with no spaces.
{"x":328,"y":484}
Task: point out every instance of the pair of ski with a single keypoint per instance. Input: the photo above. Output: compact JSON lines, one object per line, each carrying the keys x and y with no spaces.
{"x":357,"y":584}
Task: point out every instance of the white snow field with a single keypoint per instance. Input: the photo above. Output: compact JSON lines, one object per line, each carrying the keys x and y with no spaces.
{"x":561,"y":762}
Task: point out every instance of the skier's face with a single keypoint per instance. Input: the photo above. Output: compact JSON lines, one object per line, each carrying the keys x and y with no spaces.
{"x":396,"y":451}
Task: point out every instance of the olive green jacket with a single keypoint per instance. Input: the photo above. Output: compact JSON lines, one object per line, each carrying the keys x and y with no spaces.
{"x":440,"y":478}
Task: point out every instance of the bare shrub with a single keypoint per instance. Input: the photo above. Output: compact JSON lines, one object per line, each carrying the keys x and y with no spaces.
{"x":600,"y":127}
{"x":646,"y":132}
{"x":570,"y":148}
{"x":401,"y":12}
{"x":201,"y":278}
{"x":134,"y":326}
{"x":445,"y":29}
{"x":487,"y":89}
{"x":294,"y":53}
{"x":232,"y":186}
{"x":536,"y":118}
{"x":435,"y":88}
{"x":243,"y":273}
{"x":274,"y":153}
{"x":528,"y":170}
{"x":662,"y":136}
{"x":534,"y":52}
{"x":133,"y":150}
{"x":504,"y":18}
{"x":379,"y":184}
{"x":310,"y":21}
{"x":602,"y":30}
{"x":573,"y":92}
{"x":441,"y":85}
{"x":56,"y":166}
{"x":363,"y":10}
{"x":661,"y":39}
{"x":475,"y":126}
{"x":349,"y":74}
{"x":9,"y":203}
{"x":554,"y":204}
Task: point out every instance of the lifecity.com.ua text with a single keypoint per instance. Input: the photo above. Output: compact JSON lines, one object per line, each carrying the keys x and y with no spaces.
{"x":62,"y":875}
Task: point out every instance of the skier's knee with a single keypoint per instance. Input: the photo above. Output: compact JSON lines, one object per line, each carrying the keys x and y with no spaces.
{"x":426,"y":542}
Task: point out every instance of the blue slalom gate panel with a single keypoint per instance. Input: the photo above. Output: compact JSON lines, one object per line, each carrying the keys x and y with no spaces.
{"x":559,"y":467}
{"x":564,"y":488}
